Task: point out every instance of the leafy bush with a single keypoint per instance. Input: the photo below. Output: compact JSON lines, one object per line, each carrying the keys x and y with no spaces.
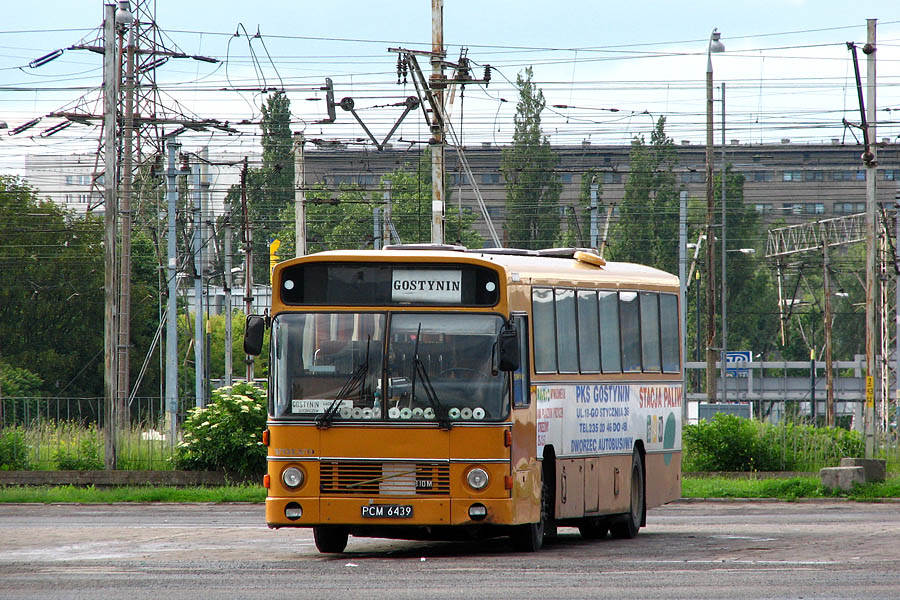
{"x":727,"y":443}
{"x":730,"y":443}
{"x":227,"y":434}
{"x":13,"y":450}
{"x":79,"y":454}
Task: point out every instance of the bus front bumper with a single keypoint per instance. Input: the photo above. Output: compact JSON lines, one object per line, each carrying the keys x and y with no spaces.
{"x":409,"y":512}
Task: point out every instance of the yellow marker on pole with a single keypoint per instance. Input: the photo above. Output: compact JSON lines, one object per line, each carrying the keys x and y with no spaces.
{"x":870,"y":391}
{"x":274,"y":245}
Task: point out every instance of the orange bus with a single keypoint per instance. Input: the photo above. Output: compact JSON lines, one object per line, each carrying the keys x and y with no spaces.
{"x":434,"y":392}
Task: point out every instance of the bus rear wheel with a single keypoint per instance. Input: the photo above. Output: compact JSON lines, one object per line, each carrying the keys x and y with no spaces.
{"x":627,"y":527}
{"x":330,"y":540}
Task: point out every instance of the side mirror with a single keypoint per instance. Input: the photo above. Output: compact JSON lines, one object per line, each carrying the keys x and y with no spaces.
{"x":508,"y":349}
{"x":253,"y":335}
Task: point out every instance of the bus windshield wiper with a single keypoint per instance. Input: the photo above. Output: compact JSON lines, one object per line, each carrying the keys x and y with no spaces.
{"x":355,"y":381}
{"x":419,"y":369}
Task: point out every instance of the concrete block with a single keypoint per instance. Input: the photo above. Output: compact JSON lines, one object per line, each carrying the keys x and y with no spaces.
{"x":875,"y":468}
{"x":842,"y":477}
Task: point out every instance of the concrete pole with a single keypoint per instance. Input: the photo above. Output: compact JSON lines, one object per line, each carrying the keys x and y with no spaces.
{"x":247,"y":238}
{"x":724,"y":273}
{"x":376,"y":228}
{"x":124,"y":321}
{"x":299,"y":197}
{"x":437,"y":82}
{"x":386,"y":220}
{"x":197,"y":248}
{"x":711,"y":353}
{"x":172,"y":148}
{"x":829,"y":375}
{"x":682,"y":269}
{"x":595,"y":189}
{"x":111,"y":288}
{"x":871,"y":275}
{"x":228,"y":282}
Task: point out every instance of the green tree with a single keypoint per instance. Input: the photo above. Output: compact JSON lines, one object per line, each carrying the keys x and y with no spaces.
{"x":51,"y":292}
{"x":270,"y":188}
{"x":751,"y":295}
{"x":529,"y":170}
{"x":646,"y":231}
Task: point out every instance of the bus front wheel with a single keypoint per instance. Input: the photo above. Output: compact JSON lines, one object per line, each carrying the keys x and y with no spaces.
{"x":627,"y":527}
{"x":330,"y":540}
{"x":530,"y":537}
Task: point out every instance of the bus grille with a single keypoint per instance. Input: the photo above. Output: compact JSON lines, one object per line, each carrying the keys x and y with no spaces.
{"x":384,"y":479}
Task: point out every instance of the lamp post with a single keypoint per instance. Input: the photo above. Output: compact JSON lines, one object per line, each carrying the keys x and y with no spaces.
{"x":715,"y":45}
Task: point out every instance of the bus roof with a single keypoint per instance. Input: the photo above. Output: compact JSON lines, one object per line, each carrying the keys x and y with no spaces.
{"x":550,"y":267}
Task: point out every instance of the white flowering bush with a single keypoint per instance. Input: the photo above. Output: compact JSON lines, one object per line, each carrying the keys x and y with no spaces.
{"x":227,"y":434}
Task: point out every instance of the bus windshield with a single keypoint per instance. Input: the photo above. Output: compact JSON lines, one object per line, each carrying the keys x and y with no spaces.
{"x":437,"y":366}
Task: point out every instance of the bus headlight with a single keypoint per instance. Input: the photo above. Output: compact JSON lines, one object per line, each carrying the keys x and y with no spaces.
{"x":477,"y":478}
{"x":292,"y":477}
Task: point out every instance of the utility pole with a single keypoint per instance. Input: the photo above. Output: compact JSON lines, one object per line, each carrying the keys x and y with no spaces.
{"x":724,"y":365}
{"x":124,"y":320}
{"x":437,"y":84}
{"x":711,"y":353}
{"x":829,"y":374}
{"x":110,"y":97}
{"x":228,"y":282}
{"x":172,"y":172}
{"x":386,"y":220}
{"x":871,"y":164}
{"x":197,"y":242}
{"x":682,"y":287}
{"x":247,"y":239}
{"x":299,"y":197}
{"x":595,"y":189}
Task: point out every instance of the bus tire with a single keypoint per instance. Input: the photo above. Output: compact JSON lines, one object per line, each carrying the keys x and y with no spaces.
{"x":627,"y":526}
{"x":329,"y":539}
{"x":530,"y":537}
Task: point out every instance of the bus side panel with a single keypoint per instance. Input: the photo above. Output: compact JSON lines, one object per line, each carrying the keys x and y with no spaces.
{"x":665,"y":483}
{"x":613,"y":483}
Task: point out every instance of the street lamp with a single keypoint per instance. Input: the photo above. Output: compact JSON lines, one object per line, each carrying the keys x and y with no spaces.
{"x":715,"y":45}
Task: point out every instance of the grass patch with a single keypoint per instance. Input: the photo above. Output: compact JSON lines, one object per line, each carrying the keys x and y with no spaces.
{"x":783,"y":489}
{"x":105,"y":495}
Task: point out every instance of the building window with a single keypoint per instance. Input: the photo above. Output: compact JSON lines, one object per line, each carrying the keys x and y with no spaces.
{"x":891,"y":174}
{"x":763,"y":176}
{"x":692,"y":177}
{"x":814,"y":208}
{"x":792,"y":207}
{"x":610,"y":177}
{"x":763,"y":207}
{"x":490,"y":178}
{"x":566,"y":178}
{"x":792,"y":176}
{"x":70,"y":180}
{"x":814,"y":176}
{"x":849,"y":208}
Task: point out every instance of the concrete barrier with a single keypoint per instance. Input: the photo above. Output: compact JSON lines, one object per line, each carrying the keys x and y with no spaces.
{"x":842,"y":477}
{"x":113,"y":478}
{"x":875,"y":468}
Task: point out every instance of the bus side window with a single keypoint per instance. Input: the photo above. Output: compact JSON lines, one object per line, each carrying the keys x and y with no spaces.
{"x":521,"y":383}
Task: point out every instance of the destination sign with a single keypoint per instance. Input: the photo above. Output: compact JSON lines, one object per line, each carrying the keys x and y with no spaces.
{"x":440,"y":286}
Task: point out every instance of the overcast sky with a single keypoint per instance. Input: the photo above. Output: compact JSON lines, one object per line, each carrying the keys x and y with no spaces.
{"x":787,"y":70}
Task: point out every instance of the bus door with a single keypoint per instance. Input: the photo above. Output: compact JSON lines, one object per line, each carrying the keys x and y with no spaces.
{"x":524,"y":431}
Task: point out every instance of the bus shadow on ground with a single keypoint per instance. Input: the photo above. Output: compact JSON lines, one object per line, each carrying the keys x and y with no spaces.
{"x":406,"y":549}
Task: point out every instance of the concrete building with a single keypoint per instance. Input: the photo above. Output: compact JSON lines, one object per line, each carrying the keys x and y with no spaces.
{"x":789,"y":182}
